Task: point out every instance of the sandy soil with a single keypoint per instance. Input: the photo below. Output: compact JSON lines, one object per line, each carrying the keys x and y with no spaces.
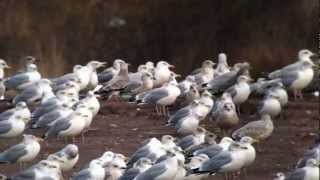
{"x":121,"y":128}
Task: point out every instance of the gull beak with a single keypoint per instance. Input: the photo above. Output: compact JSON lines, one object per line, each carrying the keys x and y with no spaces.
{"x":103,"y":64}
{"x":7,"y":66}
{"x":171,"y":66}
{"x":39,"y":139}
{"x":178,"y":75}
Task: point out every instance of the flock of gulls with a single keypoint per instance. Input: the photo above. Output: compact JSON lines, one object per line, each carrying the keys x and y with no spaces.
{"x":65,"y":107}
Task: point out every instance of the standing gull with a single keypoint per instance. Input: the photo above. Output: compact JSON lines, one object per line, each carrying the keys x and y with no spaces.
{"x":95,"y":171}
{"x":270,"y":105}
{"x":258,"y":130}
{"x":162,"y":73}
{"x":66,"y":157}
{"x":222,"y":66}
{"x":3,"y":65}
{"x":195,"y":139}
{"x":23,"y":152}
{"x":13,"y":127}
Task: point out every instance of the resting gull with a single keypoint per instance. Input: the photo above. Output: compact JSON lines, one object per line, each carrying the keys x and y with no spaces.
{"x":162,"y":73}
{"x":309,"y":172}
{"x":66,"y":157}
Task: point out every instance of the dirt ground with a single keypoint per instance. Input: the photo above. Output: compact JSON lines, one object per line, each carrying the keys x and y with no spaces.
{"x":122,"y":128}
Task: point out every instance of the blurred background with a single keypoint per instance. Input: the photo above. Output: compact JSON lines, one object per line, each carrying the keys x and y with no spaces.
{"x":183,"y":32}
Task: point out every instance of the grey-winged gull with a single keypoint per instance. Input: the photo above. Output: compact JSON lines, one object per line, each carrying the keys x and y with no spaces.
{"x":270,"y":105}
{"x":66,"y":157}
{"x":161,"y":171}
{"x":20,"y":109}
{"x":139,"y":167}
{"x":3,"y":65}
{"x":21,"y":81}
{"x":309,"y":172}
{"x":297,"y":76}
{"x":162,"y":73}
{"x":214,"y":149}
{"x":206,"y":73}
{"x":223,"y":82}
{"x":222,"y":66}
{"x":13,"y":127}
{"x":43,"y":170}
{"x":94,"y":171}
{"x":35,"y":93}
{"x":107,"y":74}
{"x":312,"y":153}
{"x":193,"y":140}
{"x":240,"y":91}
{"x":25,"y":151}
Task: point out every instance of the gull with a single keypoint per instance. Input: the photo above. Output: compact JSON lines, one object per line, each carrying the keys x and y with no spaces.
{"x":139,"y":167}
{"x":187,"y":125}
{"x":270,"y":105}
{"x":92,"y":102}
{"x":43,"y":170}
{"x":210,"y":139}
{"x":94,"y":171}
{"x":222,"y":66}
{"x":94,"y":81}
{"x":162,"y":73}
{"x":13,"y":127}
{"x":107,"y":74}
{"x":258,"y":130}
{"x":195,"y":139}
{"x":261,"y":85}
{"x":250,"y":152}
{"x":22,"y":80}
{"x":280,"y":92}
{"x":191,"y":95}
{"x":221,"y":83}
{"x":66,"y":157}
{"x":20,"y":109}
{"x":118,"y":81}
{"x":164,"y":170}
{"x":48,"y":119}
{"x":182,"y":113}
{"x":218,"y":105}
{"x":279,"y":176}
{"x":185,"y":85}
{"x":312,"y":153}
{"x":87,"y":113}
{"x":71,"y":126}
{"x":226,"y":161}
{"x":71,"y":85}
{"x":34,"y":93}
{"x":75,"y":75}
{"x":168,"y":142}
{"x":214,"y":149}
{"x":163,"y":96}
{"x":29,"y":61}
{"x":24,"y":152}
{"x":152,"y":149}
{"x":195,"y":163}
{"x":106,"y":157}
{"x":142,"y":69}
{"x":2,"y":89}
{"x":298,"y":75}
{"x":205,"y":105}
{"x":240,"y":91}
{"x":113,"y":171}
{"x":119,"y":160}
{"x":145,"y":83}
{"x":226,"y":117}
{"x":3,"y":65}
{"x":309,"y":172}
{"x":88,"y":75}
{"x":205,"y":74}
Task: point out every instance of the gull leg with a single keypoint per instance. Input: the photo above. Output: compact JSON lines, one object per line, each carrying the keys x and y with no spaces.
{"x":295,"y":94}
{"x":300,"y":94}
{"x":82,"y":137}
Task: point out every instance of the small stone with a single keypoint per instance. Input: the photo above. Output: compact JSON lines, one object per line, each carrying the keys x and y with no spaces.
{"x":308,"y":112}
{"x":134,"y":129}
{"x":113,"y":125}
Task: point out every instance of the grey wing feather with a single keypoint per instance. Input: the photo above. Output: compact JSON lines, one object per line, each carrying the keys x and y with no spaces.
{"x":153,"y":172}
{"x":13,"y":154}
{"x":186,"y":142}
{"x":133,"y":85}
{"x":214,"y":164}
{"x":142,"y":152}
{"x":286,"y":69}
{"x":82,"y":175}
{"x":181,"y":113}
{"x":232,"y":91}
{"x":298,"y":174}
{"x":5,"y":127}
{"x":211,"y":151}
{"x":63,"y":79}
{"x":222,"y":82}
{"x":196,"y":71}
{"x":27,"y":94}
{"x":251,"y":129}
{"x":154,"y":96}
{"x":289,"y":78}
{"x":130,"y":174}
{"x":105,"y":77}
{"x":59,"y":126}
{"x":6,"y":114}
{"x":16,"y":80}
{"x":48,"y":118}
{"x":25,"y":175}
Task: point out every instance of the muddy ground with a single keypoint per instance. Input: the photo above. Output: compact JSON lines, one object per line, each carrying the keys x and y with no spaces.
{"x":121,"y":128}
